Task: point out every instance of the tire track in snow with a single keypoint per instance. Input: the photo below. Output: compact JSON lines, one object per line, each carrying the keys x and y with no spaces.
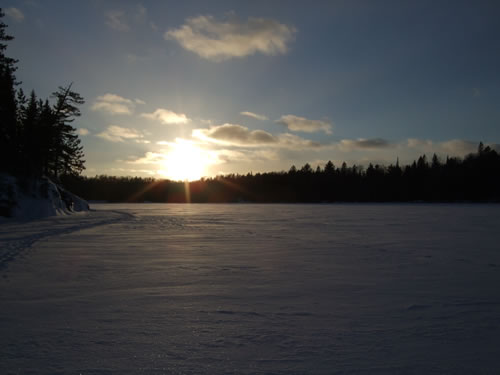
{"x":17,"y":237}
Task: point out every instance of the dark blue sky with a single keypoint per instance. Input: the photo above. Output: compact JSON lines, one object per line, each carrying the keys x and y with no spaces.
{"x":342,"y":80}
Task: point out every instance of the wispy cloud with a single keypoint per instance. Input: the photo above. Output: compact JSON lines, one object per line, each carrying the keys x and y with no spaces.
{"x":364,"y":144}
{"x":83,"y":131}
{"x":246,"y":156}
{"x":222,"y":40}
{"x":154,"y":26}
{"x":121,"y":20}
{"x":141,"y":13}
{"x":149,"y":158}
{"x":415,"y":142}
{"x":452,"y":147}
{"x":116,"y":133}
{"x":15,"y":14}
{"x":301,"y":124}
{"x":254,"y":115}
{"x":117,"y":20}
{"x":241,"y":136}
{"x":167,"y":116}
{"x":459,"y":146}
{"x":235,"y":134}
{"x":113,"y":104}
{"x":293,"y":141}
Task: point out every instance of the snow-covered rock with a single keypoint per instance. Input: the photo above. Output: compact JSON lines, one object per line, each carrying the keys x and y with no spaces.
{"x":33,"y":198}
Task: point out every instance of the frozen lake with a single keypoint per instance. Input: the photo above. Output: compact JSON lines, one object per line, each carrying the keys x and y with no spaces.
{"x":253,"y":289}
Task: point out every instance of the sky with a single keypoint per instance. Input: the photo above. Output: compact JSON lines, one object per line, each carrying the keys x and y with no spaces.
{"x":199,"y":88}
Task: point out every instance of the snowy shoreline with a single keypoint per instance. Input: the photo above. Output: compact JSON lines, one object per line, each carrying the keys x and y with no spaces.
{"x":34,"y":198}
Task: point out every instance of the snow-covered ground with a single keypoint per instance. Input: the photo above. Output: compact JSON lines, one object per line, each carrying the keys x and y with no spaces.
{"x":36,"y":198}
{"x":274,"y":289}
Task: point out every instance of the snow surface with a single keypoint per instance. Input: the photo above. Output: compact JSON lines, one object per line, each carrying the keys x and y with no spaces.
{"x":253,"y":289}
{"x":39,"y":198}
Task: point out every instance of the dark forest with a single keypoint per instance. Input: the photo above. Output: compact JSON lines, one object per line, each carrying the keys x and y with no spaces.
{"x":474,"y":178}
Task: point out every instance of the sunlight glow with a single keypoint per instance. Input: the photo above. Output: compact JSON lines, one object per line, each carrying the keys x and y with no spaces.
{"x":185,"y":161}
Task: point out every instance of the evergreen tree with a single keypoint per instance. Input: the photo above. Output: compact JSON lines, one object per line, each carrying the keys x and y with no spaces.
{"x":329,"y":168}
{"x":46,"y":137}
{"x":306,"y":169}
{"x":8,"y":109}
{"x":67,"y":156}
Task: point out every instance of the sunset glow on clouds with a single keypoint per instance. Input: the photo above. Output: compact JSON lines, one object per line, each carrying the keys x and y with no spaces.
{"x":230,"y":38}
{"x":167,"y":117}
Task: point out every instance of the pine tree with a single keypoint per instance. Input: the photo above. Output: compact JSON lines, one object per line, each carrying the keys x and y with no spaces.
{"x":35,"y":137}
{"x":329,"y":168}
{"x":46,"y":137}
{"x":8,"y":109}
{"x":67,"y":155}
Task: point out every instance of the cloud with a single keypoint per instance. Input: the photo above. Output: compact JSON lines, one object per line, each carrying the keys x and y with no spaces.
{"x":254,"y":115}
{"x":364,"y":144}
{"x":114,"y":104}
{"x":116,"y":133}
{"x":295,"y":142}
{"x":121,"y":20}
{"x":83,"y":131}
{"x":419,"y":143}
{"x":301,"y":124}
{"x":15,"y":14}
{"x":227,"y":156}
{"x":459,"y":147}
{"x":453,"y":147}
{"x":241,"y":136}
{"x":167,"y":116}
{"x":149,"y":158}
{"x":255,"y":155}
{"x":139,"y":101}
{"x":141,"y":13}
{"x":234,"y":134}
{"x":116,"y":20}
{"x":221,"y":40}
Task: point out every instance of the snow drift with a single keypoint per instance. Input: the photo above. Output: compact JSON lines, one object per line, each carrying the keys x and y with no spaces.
{"x":32,"y":198}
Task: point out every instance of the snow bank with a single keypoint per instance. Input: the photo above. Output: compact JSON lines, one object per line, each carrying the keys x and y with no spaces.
{"x":34,"y":198}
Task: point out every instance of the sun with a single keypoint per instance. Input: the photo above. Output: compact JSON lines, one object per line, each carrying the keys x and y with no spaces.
{"x":185,"y":162}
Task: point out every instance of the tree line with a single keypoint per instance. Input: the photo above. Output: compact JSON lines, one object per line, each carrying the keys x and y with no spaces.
{"x":473,"y":178}
{"x":36,"y":136}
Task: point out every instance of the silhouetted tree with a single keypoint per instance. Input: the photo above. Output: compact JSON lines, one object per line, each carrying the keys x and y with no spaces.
{"x":8,"y":109}
{"x":67,"y":153}
{"x":35,"y":137}
{"x":306,"y":168}
{"x":329,"y":168}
